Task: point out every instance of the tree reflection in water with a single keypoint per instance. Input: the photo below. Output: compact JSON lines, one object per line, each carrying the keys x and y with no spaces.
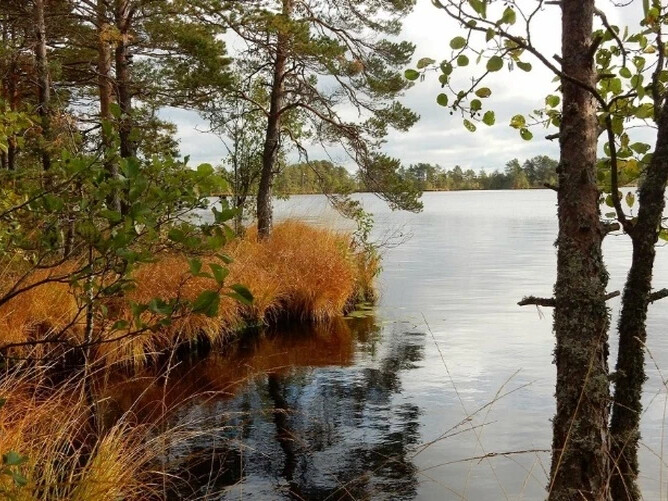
{"x":314,"y":413}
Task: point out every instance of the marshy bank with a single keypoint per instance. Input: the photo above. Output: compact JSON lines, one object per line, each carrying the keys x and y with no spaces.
{"x":300,"y":274}
{"x":106,"y":431}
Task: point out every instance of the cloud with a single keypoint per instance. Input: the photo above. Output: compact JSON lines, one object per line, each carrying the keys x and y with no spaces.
{"x":440,"y":137}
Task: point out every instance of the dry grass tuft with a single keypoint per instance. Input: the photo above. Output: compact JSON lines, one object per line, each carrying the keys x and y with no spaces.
{"x":40,"y":311}
{"x":300,"y":273}
{"x":66,"y":457}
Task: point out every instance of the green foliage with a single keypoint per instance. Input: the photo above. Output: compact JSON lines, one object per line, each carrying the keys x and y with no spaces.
{"x":71,"y":221}
{"x":11,"y":462}
{"x":318,"y":176}
{"x":348,"y":55}
{"x":533,"y":173}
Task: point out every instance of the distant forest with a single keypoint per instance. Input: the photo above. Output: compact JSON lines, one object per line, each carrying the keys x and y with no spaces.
{"x":323,"y":176}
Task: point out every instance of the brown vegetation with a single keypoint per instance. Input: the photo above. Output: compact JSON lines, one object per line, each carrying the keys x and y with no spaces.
{"x":300,"y":273}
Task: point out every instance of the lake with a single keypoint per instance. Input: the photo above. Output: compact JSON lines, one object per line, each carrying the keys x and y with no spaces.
{"x":445,"y":392}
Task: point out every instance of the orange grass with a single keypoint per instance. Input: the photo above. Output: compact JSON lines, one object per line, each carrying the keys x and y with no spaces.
{"x":300,"y":273}
{"x":66,"y":457}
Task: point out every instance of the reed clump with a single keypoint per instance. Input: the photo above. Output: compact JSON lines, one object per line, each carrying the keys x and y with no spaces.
{"x":58,"y":453}
{"x":300,"y":273}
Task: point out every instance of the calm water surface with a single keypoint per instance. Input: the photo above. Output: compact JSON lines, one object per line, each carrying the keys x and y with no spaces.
{"x":445,"y":393}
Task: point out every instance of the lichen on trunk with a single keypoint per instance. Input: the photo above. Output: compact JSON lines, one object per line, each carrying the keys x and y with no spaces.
{"x":580,"y":463}
{"x":630,"y":369}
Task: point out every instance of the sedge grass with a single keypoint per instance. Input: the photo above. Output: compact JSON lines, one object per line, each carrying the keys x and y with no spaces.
{"x":300,"y":273}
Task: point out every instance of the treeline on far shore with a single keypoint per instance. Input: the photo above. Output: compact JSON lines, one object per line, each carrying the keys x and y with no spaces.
{"x":325,"y":177}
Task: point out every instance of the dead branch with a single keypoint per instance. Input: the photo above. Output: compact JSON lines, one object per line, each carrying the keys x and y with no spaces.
{"x":551,"y":302}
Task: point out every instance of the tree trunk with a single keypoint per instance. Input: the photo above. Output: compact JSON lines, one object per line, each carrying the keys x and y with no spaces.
{"x":272,"y":138}
{"x":124,"y":14}
{"x":105,"y":91}
{"x":630,"y":370}
{"x":13,"y":96}
{"x":580,"y":466}
{"x":43,"y":84}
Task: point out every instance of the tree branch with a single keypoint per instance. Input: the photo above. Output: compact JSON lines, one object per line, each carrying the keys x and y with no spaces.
{"x":551,"y":302}
{"x":656,"y":295}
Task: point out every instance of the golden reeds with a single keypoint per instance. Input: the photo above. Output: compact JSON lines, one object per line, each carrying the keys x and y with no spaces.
{"x":301,"y":273}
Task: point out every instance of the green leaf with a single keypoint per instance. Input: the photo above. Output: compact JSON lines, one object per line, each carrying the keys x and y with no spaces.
{"x":608,"y":201}
{"x":205,"y":169}
{"x":476,"y":105}
{"x":552,"y":101}
{"x":424,"y":62}
{"x":442,"y":99}
{"x":225,"y":258}
{"x":221,"y":216}
{"x":509,"y":16}
{"x":488,"y":118}
{"x":120,"y":325}
{"x":241,"y":294}
{"x":207,"y":303}
{"x":13,"y":459}
{"x":19,"y":479}
{"x":645,"y":110}
{"x":470,"y":126}
{"x":130,"y":167}
{"x":480,"y":6}
{"x":625,"y":72}
{"x":518,"y":122}
{"x":458,"y":43}
{"x":159,"y":307}
{"x":524,"y":66}
{"x":411,"y":74}
{"x":483,"y":92}
{"x":176,"y":235}
{"x":446,"y":68}
{"x":495,"y":63}
{"x":526,"y":134}
{"x":52,"y":203}
{"x":195,"y":266}
{"x":115,"y":110}
{"x":630,"y":198}
{"x":617,"y":125}
{"x":489,"y":34}
{"x":640,"y":148}
{"x":111,"y":215}
{"x":462,"y":60}
{"x":219,"y":273}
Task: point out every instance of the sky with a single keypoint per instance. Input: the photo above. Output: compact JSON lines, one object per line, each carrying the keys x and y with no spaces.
{"x":438,"y":137}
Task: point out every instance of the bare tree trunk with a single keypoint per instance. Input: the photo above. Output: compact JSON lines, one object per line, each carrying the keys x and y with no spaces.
{"x":12,"y":91}
{"x":630,"y":370}
{"x":124,"y":13}
{"x":43,"y":84}
{"x":272,"y":138}
{"x":580,"y":466}
{"x":105,"y":91}
{"x":4,"y":91}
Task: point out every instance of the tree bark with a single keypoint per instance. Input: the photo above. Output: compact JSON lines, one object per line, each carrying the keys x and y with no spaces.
{"x":580,"y":466}
{"x":124,"y":13}
{"x":630,"y":370}
{"x":105,"y":91}
{"x":272,"y":138}
{"x":43,"y":84}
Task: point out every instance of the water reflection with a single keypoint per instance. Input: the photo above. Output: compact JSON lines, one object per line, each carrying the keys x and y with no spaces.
{"x":310,"y":413}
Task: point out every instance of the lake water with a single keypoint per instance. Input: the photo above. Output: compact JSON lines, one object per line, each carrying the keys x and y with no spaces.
{"x":445,"y":393}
